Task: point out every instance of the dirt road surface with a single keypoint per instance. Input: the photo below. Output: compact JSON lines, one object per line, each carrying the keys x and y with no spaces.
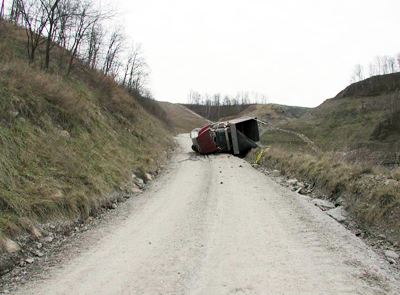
{"x":214,"y":225}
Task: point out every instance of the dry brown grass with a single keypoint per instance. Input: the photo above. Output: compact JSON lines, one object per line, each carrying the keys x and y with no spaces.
{"x":65,"y":145}
{"x":371,"y":193}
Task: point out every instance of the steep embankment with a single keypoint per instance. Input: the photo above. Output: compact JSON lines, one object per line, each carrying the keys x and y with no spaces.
{"x":182,"y":119}
{"x":66,"y":143}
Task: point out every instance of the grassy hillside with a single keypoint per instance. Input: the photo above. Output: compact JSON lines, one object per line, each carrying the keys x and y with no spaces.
{"x":358,"y":135}
{"x":182,"y":119}
{"x":361,"y":119}
{"x":66,"y":142}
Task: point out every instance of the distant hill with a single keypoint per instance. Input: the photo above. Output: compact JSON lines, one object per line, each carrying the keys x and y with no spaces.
{"x":274,"y":114}
{"x":183,"y":120}
{"x":362,"y":122}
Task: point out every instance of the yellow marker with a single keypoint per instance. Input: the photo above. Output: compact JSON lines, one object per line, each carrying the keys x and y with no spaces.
{"x":260,"y":154}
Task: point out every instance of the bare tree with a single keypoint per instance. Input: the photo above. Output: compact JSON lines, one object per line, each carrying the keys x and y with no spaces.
{"x":385,"y":65}
{"x":35,"y":21}
{"x":264,"y":99}
{"x":95,"y":37}
{"x":358,"y":74}
{"x":217,"y":104}
{"x":15,"y":12}
{"x":86,"y":15}
{"x":391,"y":65}
{"x":378,"y":65}
{"x":2,"y":10}
{"x":194,"y":98}
{"x":53,"y":15}
{"x":398,"y":61}
{"x":115,"y":46}
{"x":372,"y":70}
{"x":136,"y":69}
{"x":226,"y":101}
{"x":63,"y":34}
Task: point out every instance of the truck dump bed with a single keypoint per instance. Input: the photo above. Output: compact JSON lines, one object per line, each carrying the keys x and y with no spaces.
{"x":235,"y":136}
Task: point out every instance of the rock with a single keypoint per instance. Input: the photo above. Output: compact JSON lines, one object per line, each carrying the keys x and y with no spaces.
{"x":38,"y":254}
{"x":300,"y":184}
{"x":29,"y":260}
{"x":89,"y":220}
{"x":323,"y":204}
{"x":138,"y":181}
{"x":358,"y":233}
{"x":113,"y":206}
{"x":382,"y":237}
{"x":292,"y":181}
{"x":56,"y":194}
{"x":136,"y":190}
{"x":35,"y":232}
{"x":11,"y":246}
{"x":391,"y":254}
{"x":39,"y":245}
{"x":302,"y":191}
{"x":392,"y":261}
{"x":65,"y":134}
{"x":48,"y":239}
{"x":276,"y":173}
{"x":148,"y":177}
{"x":339,"y":214}
{"x":340,"y":201}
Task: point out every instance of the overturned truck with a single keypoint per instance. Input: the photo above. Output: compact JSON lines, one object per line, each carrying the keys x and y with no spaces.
{"x":236,"y":136}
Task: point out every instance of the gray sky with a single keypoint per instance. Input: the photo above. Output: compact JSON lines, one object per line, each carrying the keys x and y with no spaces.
{"x":297,"y":52}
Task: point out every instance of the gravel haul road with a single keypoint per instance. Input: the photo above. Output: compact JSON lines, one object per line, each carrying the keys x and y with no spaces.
{"x":215,"y":225}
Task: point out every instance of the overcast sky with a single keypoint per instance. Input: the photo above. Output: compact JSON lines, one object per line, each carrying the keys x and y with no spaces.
{"x":297,"y":52}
